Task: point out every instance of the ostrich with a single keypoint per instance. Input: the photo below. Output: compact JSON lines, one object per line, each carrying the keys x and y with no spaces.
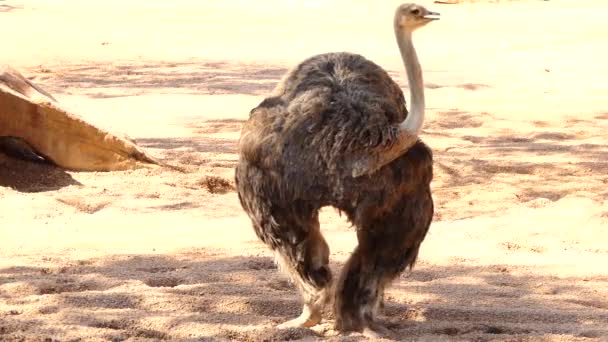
{"x":336,"y":132}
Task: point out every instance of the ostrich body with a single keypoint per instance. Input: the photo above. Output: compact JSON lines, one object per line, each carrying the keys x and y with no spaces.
{"x":336,"y":132}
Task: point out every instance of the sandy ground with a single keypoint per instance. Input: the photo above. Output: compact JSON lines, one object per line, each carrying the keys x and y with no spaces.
{"x":518,"y":250}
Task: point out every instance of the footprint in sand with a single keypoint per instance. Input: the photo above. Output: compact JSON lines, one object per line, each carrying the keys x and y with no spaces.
{"x":47,"y":286}
{"x":261,"y":264}
{"x":89,"y":205}
{"x":102,"y":300}
{"x":163,"y":282}
{"x":280,"y":285}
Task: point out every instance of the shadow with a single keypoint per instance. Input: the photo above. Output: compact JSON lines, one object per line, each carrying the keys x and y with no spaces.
{"x":193,"y":77}
{"x":219,"y":126}
{"x":183,"y":78}
{"x":4,"y":8}
{"x":453,"y":119}
{"x":242,"y":298}
{"x":549,"y":180}
{"x":189,"y":153}
{"x":175,"y":206}
{"x":465,"y":86}
{"x":25,"y":176}
{"x":602,"y":116}
{"x":519,"y":300}
{"x":200,"y":150}
{"x":198,"y":144}
{"x":555,"y":136}
{"x":400,"y":79}
{"x":178,"y":292}
{"x":544,"y":163}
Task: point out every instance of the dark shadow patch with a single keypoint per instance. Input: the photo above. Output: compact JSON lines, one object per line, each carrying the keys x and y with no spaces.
{"x":472,"y":86}
{"x":473,"y":139}
{"x":238,"y":299}
{"x":261,"y":264}
{"x":271,"y":334}
{"x":548,"y":165}
{"x":189,"y":154}
{"x":185,"y":77}
{"x":558,"y":136}
{"x":228,"y":164}
{"x":157,"y":269}
{"x":571,"y":122}
{"x":102,"y":300}
{"x":280,"y":285}
{"x":4,"y":8}
{"x":465,"y":86}
{"x":513,"y":144}
{"x":108,"y":96}
{"x":454,"y":119}
{"x":450,"y":331}
{"x":48,"y":310}
{"x":496,"y":166}
{"x":198,"y":144}
{"x":60,"y":285}
{"x":494,"y":330}
{"x":602,"y":116}
{"x":215,"y":184}
{"x":84,"y":205}
{"x":534,"y":193}
{"x":422,"y":276}
{"x":150,"y":334}
{"x":432,"y":86}
{"x":273,"y":307}
{"x":163,"y":282}
{"x":596,"y":304}
{"x":28,"y":177}
{"x":186,"y":158}
{"x":193,"y":77}
{"x":539,"y":123}
{"x":219,"y":126}
{"x":113,"y":324}
{"x":182,"y":205}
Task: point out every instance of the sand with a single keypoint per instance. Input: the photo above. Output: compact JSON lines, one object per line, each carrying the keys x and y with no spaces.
{"x":518,"y":110}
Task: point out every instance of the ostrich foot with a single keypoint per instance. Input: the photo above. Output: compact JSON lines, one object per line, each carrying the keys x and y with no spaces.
{"x":326,"y":329}
{"x":308,"y":318}
{"x":377,"y":331}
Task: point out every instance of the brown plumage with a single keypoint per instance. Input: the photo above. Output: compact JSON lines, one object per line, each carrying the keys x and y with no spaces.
{"x":295,"y":156}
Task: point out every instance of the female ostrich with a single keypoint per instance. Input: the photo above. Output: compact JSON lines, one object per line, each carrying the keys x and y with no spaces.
{"x":336,"y":132}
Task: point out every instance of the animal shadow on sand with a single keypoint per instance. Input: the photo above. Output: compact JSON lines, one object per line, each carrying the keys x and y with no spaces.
{"x":200,"y":144}
{"x":188,"y":152}
{"x":28,"y":176}
{"x":102,"y":80}
{"x":195,"y":77}
{"x":207,"y":296}
{"x":201,"y":150}
{"x":7,"y":8}
{"x":399,"y":77}
{"x":546,"y":162}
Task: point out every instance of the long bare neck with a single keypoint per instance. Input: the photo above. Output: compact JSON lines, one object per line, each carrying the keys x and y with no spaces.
{"x":411,"y":126}
{"x":415,"y":118}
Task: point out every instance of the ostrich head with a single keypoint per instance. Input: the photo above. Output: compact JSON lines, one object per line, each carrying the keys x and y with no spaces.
{"x":410,"y":17}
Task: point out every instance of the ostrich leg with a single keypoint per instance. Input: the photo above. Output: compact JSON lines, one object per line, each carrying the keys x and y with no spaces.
{"x":388,"y":243}
{"x":301,"y":252}
{"x":306,"y":262}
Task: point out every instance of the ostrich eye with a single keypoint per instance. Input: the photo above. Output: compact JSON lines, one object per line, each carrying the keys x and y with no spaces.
{"x":415,"y":11}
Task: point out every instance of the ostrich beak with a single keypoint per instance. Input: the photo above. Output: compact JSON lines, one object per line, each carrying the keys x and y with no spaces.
{"x":431,"y":16}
